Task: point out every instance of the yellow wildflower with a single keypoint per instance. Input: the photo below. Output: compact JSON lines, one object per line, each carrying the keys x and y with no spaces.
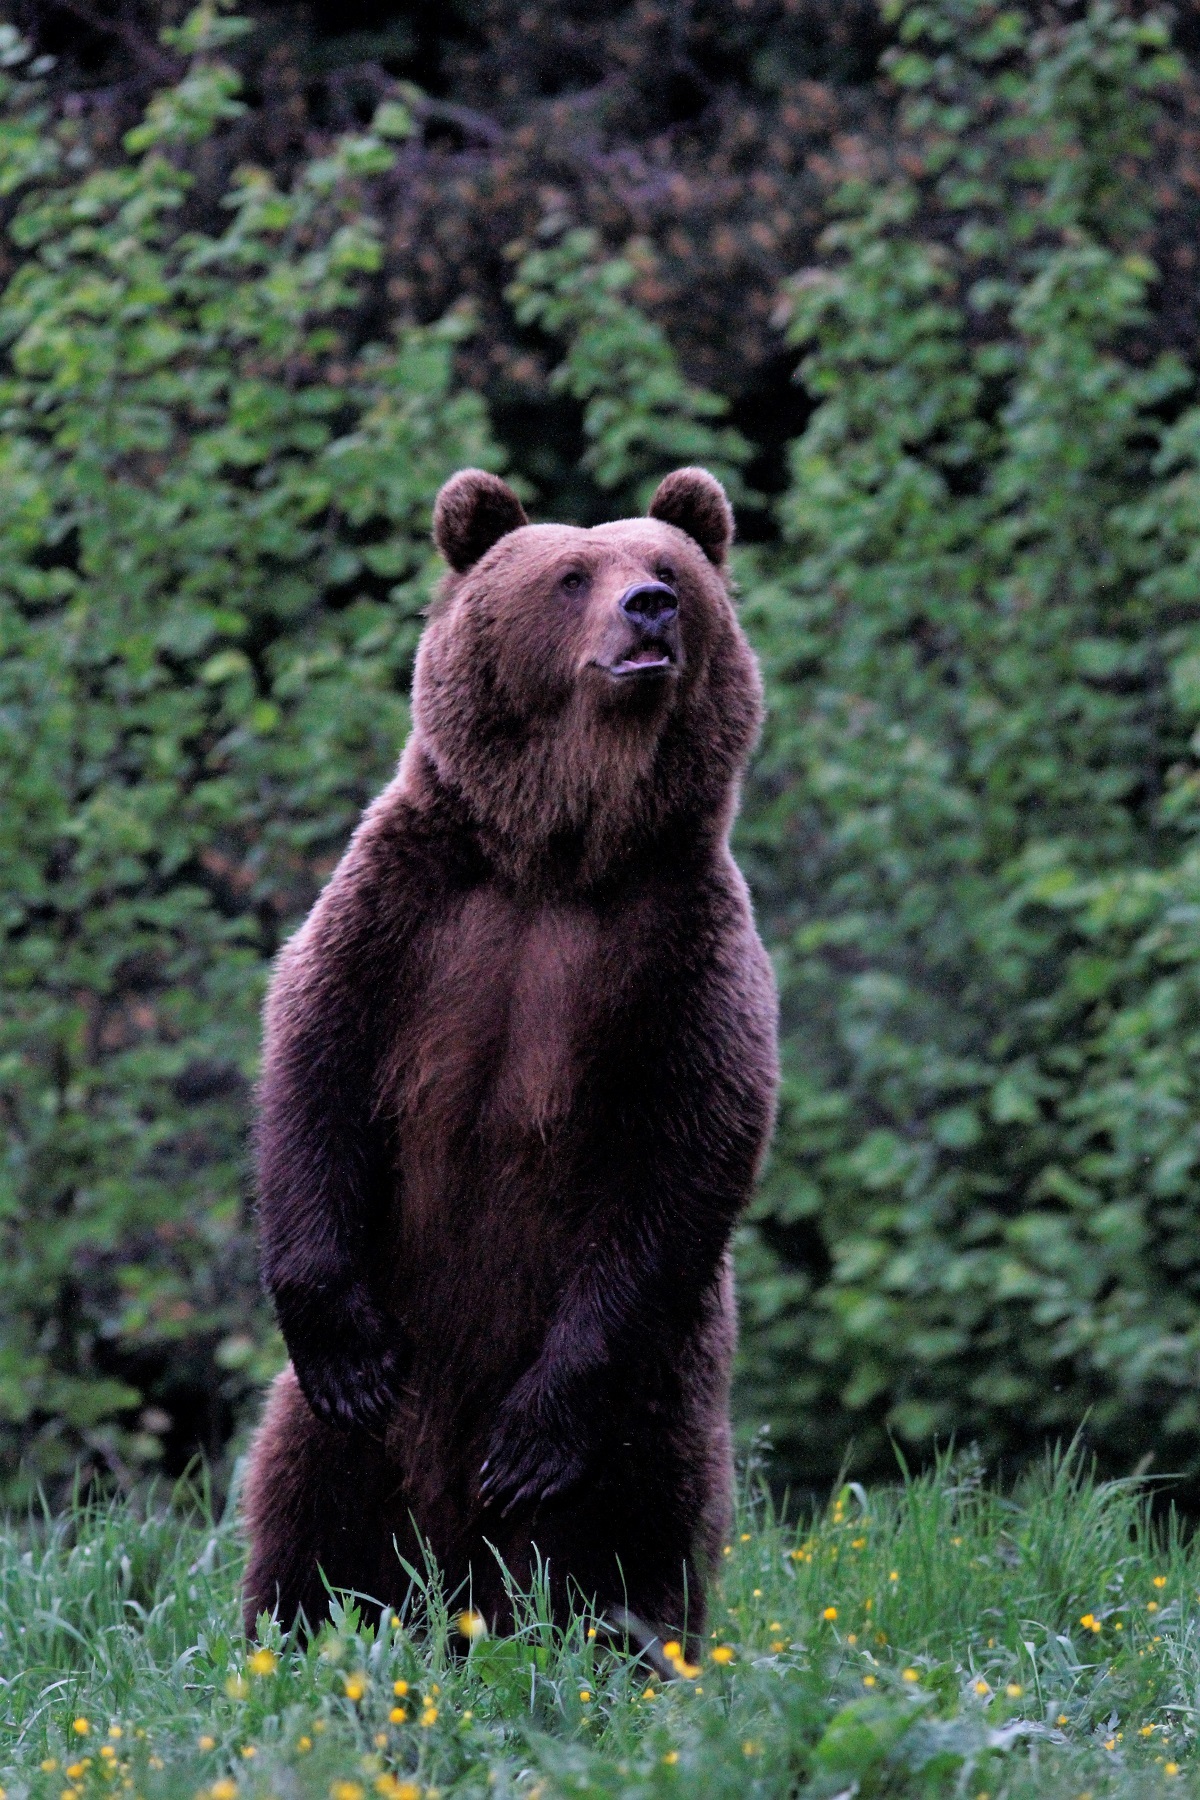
{"x":472,"y":1624}
{"x":346,"y":1790}
{"x":1014,"y":1690}
{"x":585,"y":1695}
{"x":80,"y":1727}
{"x":429,"y":1714}
{"x":721,"y":1653}
{"x":649,"y":1694}
{"x":48,"y":1765}
{"x":206,"y":1742}
{"x":355,"y":1686}
{"x":745,"y":1537}
{"x":868,"y":1681}
{"x":981,"y":1687}
{"x":303,"y":1744}
{"x":263,"y":1662}
{"x":398,"y":1715}
{"x":910,"y":1675}
{"x":1170,"y":1768}
{"x":1160,"y":1581}
{"x":223,"y":1790}
{"x":249,"y":1752}
{"x":830,"y":1613}
{"x":672,"y":1756}
{"x":400,"y":1687}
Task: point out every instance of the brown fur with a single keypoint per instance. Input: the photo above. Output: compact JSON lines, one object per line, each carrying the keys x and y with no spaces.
{"x":519,"y":1076}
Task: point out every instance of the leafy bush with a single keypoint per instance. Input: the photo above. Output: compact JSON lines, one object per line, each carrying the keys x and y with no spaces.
{"x":214,"y":507}
{"x":974,"y":825}
{"x":641,"y":416}
{"x":972,"y":829}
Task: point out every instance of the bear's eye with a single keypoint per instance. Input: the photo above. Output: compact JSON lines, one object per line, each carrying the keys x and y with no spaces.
{"x":665,"y":572}
{"x":572,"y":581}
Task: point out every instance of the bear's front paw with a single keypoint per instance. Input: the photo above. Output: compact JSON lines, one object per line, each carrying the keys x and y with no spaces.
{"x":357,"y":1391}
{"x":349,"y":1360}
{"x":536,"y":1454}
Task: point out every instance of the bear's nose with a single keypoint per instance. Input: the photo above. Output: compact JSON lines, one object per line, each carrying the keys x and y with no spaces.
{"x":649,"y":603}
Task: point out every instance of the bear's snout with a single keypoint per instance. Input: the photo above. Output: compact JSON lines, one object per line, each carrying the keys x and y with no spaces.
{"x":650,"y":603}
{"x":651,"y":609}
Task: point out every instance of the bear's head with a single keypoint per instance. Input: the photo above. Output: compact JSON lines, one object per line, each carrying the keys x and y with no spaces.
{"x":584,"y":690}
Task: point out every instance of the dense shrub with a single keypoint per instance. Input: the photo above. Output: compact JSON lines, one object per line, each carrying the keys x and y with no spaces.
{"x":213,"y":550}
{"x":971,"y":829}
{"x":712,"y":131}
{"x":974,"y":825}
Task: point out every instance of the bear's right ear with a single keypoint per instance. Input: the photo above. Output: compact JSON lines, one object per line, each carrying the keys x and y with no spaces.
{"x":474,"y":511}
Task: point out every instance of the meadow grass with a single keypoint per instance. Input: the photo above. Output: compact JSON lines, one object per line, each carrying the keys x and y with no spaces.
{"x":935,"y":1637}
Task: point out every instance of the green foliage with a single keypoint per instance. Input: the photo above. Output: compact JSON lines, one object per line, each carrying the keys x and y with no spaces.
{"x":214,"y":513}
{"x":934,"y":1639}
{"x":974,"y":825}
{"x":972,"y":830}
{"x":641,"y":415}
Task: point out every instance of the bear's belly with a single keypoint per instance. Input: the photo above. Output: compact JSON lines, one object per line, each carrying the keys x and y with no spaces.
{"x":491,"y":1079}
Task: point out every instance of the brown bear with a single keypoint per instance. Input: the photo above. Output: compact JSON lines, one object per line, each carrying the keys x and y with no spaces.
{"x":519,"y":1074}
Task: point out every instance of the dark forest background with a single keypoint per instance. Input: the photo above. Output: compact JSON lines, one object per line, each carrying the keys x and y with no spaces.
{"x":921,"y":284}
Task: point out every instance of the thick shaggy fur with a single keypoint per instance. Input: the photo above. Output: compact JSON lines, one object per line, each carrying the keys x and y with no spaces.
{"x":519,"y":1075}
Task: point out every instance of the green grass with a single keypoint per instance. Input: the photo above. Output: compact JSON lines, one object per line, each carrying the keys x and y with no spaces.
{"x":924,"y":1639}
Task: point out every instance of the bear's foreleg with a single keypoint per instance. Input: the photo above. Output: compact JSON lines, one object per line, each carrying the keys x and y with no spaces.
{"x":323,"y":1173}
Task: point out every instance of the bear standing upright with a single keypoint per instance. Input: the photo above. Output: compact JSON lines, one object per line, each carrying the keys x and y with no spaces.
{"x":519,"y":1075}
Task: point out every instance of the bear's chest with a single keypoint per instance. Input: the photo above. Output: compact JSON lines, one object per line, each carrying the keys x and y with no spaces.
{"x":506,"y":1013}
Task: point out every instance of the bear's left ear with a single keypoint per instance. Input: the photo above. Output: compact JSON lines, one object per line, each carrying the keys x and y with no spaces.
{"x":474,"y":511}
{"x":696,"y":502}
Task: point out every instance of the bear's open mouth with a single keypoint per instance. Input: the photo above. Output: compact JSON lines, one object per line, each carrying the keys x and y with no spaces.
{"x":647,"y":659}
